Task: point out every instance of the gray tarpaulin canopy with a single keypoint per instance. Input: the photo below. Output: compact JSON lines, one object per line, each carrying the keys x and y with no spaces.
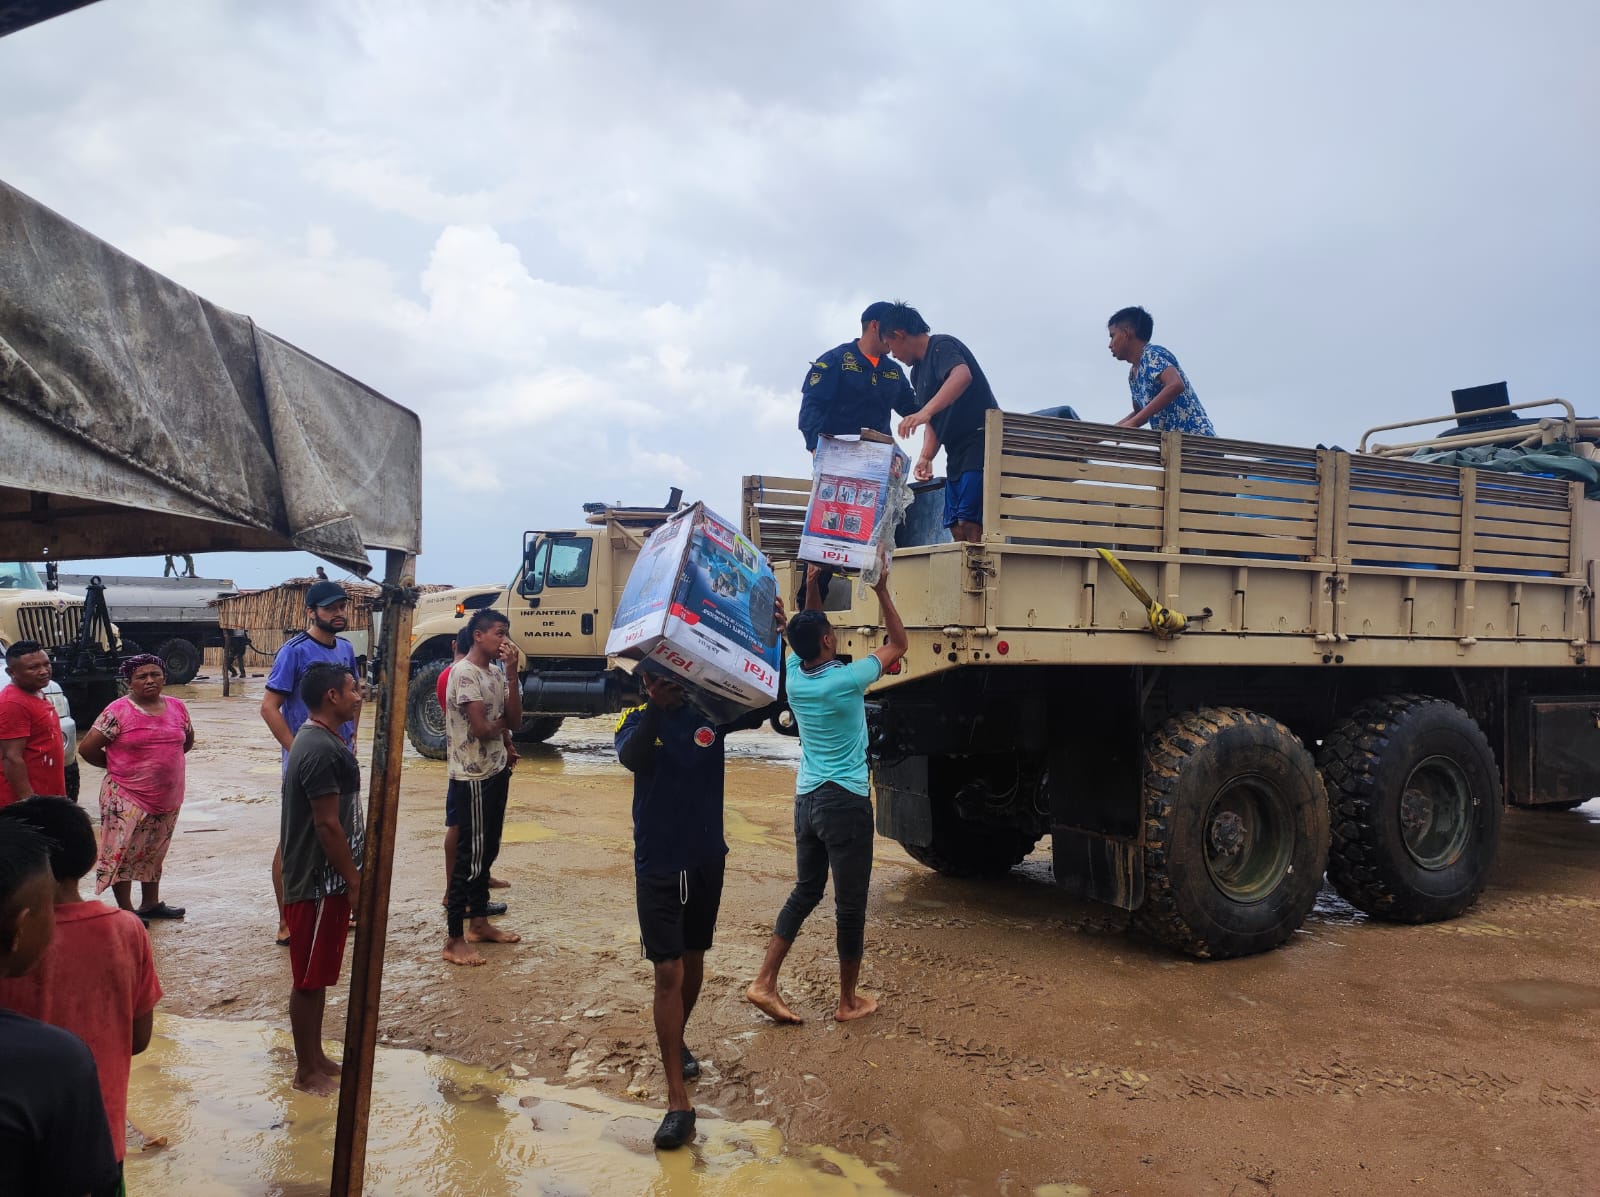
{"x":138,"y":418}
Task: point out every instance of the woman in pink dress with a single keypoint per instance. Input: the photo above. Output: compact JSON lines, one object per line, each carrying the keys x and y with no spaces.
{"x":139,"y":740}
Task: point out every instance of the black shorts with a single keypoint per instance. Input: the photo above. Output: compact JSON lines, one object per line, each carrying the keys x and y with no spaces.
{"x":678,"y":911}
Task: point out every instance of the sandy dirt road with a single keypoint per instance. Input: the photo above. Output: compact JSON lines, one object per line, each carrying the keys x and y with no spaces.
{"x":1024,"y":1040}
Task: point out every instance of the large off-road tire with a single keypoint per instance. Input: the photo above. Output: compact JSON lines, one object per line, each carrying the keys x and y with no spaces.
{"x":536,"y":729}
{"x":1236,"y":833}
{"x":1416,"y":807}
{"x":183,"y":660}
{"x":424,"y":715}
{"x":964,"y":849}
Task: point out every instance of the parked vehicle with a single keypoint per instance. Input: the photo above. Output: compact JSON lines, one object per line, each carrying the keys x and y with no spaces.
{"x":1349,"y":664}
{"x":170,"y":617}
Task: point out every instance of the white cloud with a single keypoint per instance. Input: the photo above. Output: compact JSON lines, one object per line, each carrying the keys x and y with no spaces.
{"x":595,"y":245}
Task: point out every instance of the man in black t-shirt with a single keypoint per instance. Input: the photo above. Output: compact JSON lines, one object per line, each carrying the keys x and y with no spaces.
{"x":54,"y":1141}
{"x":675,"y":754}
{"x":954,"y":398}
{"x":321,"y":835}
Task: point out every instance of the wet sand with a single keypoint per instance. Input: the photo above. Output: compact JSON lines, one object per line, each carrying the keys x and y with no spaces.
{"x":1026,"y":1043}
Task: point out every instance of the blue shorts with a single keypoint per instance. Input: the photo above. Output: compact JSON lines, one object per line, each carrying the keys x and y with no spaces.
{"x":963,"y":498}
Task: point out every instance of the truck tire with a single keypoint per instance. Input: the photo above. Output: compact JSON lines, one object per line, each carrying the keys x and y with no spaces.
{"x":1415,"y":795}
{"x":964,"y":849}
{"x":74,"y":781}
{"x":183,"y":660}
{"x":1236,"y":833}
{"x":536,"y":729}
{"x":424,"y":715}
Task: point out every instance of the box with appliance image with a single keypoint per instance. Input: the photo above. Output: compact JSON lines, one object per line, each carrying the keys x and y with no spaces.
{"x":699,"y":605}
{"x":850,"y":513}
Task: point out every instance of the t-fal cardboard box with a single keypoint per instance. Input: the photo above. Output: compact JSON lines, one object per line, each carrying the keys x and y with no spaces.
{"x":849,"y":513}
{"x":699,"y":605}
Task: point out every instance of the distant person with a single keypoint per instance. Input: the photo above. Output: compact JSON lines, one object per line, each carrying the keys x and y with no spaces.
{"x":852,"y":387}
{"x":98,"y":978}
{"x":33,"y":755}
{"x":459,"y":648}
{"x":170,"y":569}
{"x":321,"y":836}
{"x":1162,"y":396}
{"x":237,"y":643}
{"x":322,"y":574}
{"x":675,"y":755}
{"x":328,"y":614}
{"x":140,"y":741}
{"x":54,"y":1137}
{"x":953,"y":398}
{"x":833,"y":823}
{"x":483,"y":708}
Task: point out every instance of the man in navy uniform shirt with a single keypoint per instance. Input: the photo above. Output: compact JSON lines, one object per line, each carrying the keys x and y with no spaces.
{"x":675,"y":755}
{"x":854,"y":386}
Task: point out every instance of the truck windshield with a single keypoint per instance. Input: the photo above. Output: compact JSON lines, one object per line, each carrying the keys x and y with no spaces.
{"x":19,"y":575}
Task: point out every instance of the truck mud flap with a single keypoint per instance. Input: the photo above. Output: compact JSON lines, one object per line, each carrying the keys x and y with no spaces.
{"x":1098,"y":867}
{"x":905,"y":808}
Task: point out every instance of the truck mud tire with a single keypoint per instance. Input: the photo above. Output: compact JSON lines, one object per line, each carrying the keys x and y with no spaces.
{"x":1236,"y":833}
{"x":536,"y":729}
{"x":424,"y":715}
{"x":964,"y":849}
{"x":74,"y":781}
{"x":183,"y":660}
{"x":1415,"y":799}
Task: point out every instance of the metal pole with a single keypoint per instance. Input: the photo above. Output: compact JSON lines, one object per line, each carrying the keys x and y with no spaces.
{"x":383,"y":810}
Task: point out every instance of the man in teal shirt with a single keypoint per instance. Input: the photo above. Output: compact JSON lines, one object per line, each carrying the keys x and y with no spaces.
{"x":833,"y":824}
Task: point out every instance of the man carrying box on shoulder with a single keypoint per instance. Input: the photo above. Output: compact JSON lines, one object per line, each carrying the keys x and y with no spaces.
{"x":955,"y":398}
{"x":833,"y":823}
{"x":675,"y":755}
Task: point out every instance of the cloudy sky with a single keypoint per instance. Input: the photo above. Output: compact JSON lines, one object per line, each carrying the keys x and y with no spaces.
{"x":595,"y":245}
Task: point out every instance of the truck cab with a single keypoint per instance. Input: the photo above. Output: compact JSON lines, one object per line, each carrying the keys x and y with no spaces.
{"x":559,"y":603}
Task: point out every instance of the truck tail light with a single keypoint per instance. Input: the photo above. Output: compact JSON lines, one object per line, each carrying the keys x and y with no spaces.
{"x":1002,"y":648}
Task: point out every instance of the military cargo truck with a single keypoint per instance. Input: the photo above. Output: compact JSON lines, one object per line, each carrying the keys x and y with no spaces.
{"x":1342,"y":663}
{"x":560,"y":604}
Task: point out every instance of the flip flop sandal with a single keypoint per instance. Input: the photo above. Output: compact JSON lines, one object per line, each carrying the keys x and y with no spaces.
{"x":282,"y":943}
{"x":162,"y":911}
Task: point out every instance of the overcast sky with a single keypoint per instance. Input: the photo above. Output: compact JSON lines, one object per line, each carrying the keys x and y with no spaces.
{"x":595,"y":245}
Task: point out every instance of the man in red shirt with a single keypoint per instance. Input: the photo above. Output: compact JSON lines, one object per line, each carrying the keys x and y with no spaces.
{"x":33,"y":756}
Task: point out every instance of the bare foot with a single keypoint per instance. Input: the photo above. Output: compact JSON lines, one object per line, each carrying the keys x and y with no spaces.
{"x":857,"y":1007}
{"x":489,"y":933}
{"x":328,"y":1067}
{"x":497,"y":883}
{"x":318,"y":1084}
{"x":769,"y":1003}
{"x":456,"y":951}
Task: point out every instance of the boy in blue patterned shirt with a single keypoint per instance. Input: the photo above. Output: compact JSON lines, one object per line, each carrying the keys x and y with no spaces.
{"x":1162,"y":396}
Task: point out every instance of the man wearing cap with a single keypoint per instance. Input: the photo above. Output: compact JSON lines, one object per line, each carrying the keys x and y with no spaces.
{"x":328,"y":614}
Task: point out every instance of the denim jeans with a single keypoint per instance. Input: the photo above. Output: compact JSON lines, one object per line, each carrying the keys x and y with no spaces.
{"x":833,"y":828}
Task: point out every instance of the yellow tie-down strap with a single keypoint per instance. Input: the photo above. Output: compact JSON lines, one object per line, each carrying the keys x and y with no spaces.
{"x":1164,"y":622}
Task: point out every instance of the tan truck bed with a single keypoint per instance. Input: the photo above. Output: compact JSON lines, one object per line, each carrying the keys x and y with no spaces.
{"x":1278,"y":555}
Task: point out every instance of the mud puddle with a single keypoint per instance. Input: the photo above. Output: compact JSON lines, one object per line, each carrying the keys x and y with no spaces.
{"x":218,"y":1093}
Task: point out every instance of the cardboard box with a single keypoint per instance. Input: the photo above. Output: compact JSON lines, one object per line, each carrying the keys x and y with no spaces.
{"x":699,"y":605}
{"x":849,"y":514}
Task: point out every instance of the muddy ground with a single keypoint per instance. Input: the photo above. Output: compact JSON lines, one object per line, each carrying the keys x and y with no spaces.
{"x":1024,"y":1040}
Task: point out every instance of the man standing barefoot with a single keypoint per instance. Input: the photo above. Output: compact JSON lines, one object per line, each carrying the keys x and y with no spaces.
{"x":484,"y":706}
{"x":321,"y":838}
{"x":328,"y":614}
{"x":833,"y":824}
